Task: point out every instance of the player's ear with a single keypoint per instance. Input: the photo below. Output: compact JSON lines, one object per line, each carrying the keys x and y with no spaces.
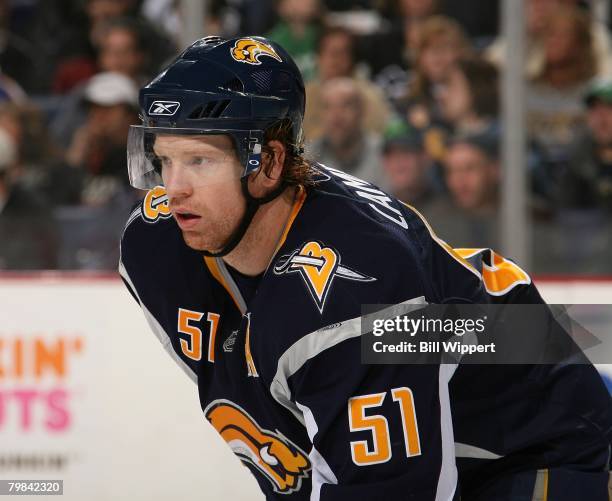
{"x":272,"y":163}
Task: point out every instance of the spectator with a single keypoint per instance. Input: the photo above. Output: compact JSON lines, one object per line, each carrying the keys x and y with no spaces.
{"x":38,"y":160}
{"x":441,"y":43}
{"x":345,"y":144}
{"x":468,"y":216}
{"x":470,"y":99}
{"x":554,"y":98}
{"x":336,"y":59}
{"x":587,"y":182}
{"x":297,"y":31}
{"x":98,"y":147}
{"x":110,"y":21}
{"x":584,"y":200}
{"x":100,"y":12}
{"x":123,"y":50}
{"x":538,"y":12}
{"x":407,"y":169}
{"x":26,"y":229}
{"x":390,"y":67}
{"x":80,"y":67}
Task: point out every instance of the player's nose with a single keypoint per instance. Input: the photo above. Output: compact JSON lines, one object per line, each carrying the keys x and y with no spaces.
{"x":177,"y":183}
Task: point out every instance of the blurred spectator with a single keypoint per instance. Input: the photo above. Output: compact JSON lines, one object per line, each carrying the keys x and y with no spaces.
{"x":119,"y":40}
{"x":587,"y":182}
{"x":38,"y":160}
{"x":407,"y":169}
{"x":468,"y":216}
{"x":336,"y":59}
{"x":98,"y":147}
{"x":345,"y":145}
{"x":26,"y":229}
{"x":554,"y":97}
{"x":470,"y":99}
{"x":402,"y":35}
{"x":538,"y":12}
{"x":101,"y":12}
{"x":441,"y":43}
{"x":82,"y":66}
{"x":123,"y":50}
{"x":297,"y":31}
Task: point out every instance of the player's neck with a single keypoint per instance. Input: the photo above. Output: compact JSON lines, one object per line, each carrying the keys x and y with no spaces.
{"x":254,"y":252}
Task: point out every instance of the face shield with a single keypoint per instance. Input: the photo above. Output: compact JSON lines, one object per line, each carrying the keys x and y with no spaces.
{"x":199,"y":157}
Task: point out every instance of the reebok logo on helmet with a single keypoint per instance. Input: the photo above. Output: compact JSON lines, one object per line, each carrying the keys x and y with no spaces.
{"x":166,"y":108}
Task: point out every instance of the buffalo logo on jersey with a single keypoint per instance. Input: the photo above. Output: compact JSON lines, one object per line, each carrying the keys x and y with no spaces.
{"x":318,"y":266}
{"x":283,"y":463}
{"x":249,"y":50}
{"x":155,"y":205}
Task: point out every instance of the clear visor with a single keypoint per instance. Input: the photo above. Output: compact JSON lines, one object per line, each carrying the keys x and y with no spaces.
{"x":189,"y":157}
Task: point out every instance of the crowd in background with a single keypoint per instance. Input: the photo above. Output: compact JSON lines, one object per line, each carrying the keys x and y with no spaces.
{"x":403,"y":93}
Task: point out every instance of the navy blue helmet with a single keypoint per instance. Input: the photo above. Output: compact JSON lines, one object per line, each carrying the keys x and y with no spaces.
{"x":239,"y":87}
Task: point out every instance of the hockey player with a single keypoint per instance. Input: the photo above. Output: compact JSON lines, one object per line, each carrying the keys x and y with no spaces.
{"x":251,"y":266}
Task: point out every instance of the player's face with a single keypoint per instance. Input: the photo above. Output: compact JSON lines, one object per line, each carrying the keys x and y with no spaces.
{"x":201,"y":175}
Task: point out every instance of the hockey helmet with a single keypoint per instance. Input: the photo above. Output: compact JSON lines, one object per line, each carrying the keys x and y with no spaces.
{"x":238,"y":87}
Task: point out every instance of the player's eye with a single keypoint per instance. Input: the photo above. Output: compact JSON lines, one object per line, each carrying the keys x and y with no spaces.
{"x":165,"y":162}
{"x":195,"y":161}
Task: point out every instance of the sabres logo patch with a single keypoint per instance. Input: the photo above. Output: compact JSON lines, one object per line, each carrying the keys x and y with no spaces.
{"x":155,"y":205}
{"x":318,"y":266}
{"x":282,"y":462}
{"x":249,"y":50}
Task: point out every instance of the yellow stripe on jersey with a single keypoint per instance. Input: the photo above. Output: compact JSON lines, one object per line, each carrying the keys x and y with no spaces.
{"x":213,"y":267}
{"x":500,"y":275}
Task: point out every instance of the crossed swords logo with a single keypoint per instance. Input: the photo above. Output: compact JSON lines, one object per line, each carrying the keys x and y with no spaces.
{"x":318,"y":266}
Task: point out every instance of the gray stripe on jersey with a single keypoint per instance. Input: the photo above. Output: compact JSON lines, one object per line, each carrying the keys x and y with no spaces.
{"x":232,"y":285}
{"x":157,"y":329}
{"x":471,"y":451}
{"x":320,"y":340}
{"x":447,"y":481}
{"x":321,"y":471}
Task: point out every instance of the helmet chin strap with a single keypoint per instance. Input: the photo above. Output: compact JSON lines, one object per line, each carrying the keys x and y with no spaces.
{"x":252,"y":204}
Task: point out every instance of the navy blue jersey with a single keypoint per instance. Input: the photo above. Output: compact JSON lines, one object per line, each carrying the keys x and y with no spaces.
{"x":279,"y":372}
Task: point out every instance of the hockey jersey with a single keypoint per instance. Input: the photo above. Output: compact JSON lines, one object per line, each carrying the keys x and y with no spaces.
{"x":277,"y":359}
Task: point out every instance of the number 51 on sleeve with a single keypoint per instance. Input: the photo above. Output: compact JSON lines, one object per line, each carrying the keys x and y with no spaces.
{"x":379,"y":427}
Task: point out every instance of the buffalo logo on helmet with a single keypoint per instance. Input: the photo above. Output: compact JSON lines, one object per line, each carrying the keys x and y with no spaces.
{"x":282,"y":462}
{"x":249,"y":50}
{"x":318,"y":265}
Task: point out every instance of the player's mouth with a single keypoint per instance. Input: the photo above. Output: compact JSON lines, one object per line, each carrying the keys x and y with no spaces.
{"x":186,"y":220}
